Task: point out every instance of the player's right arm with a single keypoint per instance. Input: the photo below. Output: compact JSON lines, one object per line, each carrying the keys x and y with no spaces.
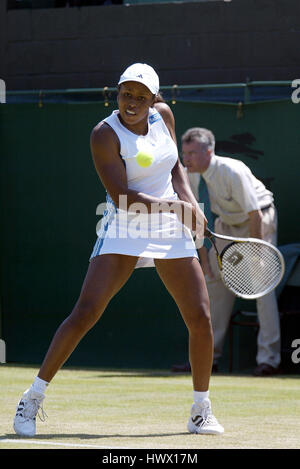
{"x":105,"y":149}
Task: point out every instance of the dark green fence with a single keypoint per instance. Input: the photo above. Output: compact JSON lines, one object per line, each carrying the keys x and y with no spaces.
{"x":49,"y":195}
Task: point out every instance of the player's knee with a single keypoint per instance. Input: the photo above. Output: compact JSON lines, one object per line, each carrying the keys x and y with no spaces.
{"x":200,"y":321}
{"x":85,"y":314}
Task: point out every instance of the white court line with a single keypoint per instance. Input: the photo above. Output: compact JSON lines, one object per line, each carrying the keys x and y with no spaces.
{"x":56,"y":443}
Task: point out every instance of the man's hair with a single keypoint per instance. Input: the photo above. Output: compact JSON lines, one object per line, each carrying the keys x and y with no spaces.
{"x":201,"y":135}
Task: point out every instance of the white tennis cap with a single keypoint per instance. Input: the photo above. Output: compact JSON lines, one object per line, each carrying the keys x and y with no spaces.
{"x":141,"y":73}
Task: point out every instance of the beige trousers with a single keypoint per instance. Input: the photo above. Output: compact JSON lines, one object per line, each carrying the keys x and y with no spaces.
{"x":222,"y":300}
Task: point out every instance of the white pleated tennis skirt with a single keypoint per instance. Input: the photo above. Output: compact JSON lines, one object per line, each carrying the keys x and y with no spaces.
{"x":147,"y":236}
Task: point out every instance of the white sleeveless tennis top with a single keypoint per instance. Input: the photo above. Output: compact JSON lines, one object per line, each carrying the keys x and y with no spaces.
{"x":147,"y":236}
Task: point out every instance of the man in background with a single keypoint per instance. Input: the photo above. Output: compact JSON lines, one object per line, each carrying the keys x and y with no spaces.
{"x":243,"y":208}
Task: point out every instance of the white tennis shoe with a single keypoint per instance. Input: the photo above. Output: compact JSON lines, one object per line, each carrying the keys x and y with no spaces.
{"x":203,"y":421}
{"x":27,"y":408}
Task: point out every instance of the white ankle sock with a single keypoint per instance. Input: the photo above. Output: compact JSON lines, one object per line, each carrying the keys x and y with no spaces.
{"x":39,"y":385}
{"x":200,"y":396}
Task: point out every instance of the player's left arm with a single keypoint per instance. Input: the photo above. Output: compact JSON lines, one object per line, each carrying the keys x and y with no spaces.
{"x":180,"y":179}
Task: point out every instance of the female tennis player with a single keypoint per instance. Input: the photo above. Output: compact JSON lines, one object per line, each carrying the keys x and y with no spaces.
{"x":150,"y":215}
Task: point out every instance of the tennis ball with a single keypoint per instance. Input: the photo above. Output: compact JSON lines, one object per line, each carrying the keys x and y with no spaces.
{"x":144,"y":159}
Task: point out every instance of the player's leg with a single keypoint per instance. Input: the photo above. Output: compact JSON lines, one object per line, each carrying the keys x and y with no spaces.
{"x":185,"y":282}
{"x":105,"y":276}
{"x":221,"y":305}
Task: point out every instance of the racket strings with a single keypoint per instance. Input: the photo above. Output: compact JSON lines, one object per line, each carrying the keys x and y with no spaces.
{"x":251,"y":268}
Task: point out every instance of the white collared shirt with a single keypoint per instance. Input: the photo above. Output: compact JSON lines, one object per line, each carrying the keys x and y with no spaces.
{"x":233,"y":190}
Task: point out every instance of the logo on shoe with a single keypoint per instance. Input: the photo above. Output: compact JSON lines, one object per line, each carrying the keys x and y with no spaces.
{"x":197,"y":420}
{"x":20,"y":409}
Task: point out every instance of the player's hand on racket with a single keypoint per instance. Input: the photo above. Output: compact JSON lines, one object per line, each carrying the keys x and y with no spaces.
{"x":194,"y":218}
{"x":200,"y":226}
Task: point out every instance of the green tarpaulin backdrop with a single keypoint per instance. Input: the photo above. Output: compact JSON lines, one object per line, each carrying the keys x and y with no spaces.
{"x":49,"y":195}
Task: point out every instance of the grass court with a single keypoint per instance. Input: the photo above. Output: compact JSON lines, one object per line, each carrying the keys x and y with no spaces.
{"x":141,"y":409}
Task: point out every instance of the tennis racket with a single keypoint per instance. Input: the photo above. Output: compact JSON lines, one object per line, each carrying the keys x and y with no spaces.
{"x":249,"y":267}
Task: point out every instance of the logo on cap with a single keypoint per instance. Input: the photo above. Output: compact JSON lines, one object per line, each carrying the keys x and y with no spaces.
{"x":142,"y":73}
